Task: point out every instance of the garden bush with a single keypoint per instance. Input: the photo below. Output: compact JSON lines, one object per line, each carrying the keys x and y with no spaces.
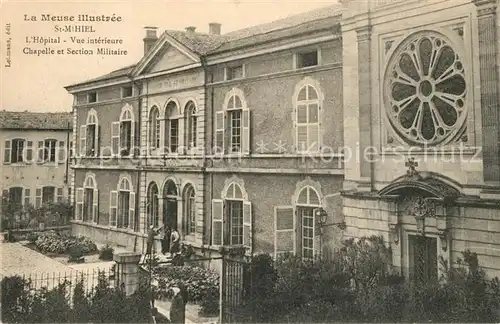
{"x":32,"y":237}
{"x":198,"y":281}
{"x":51,"y":242}
{"x":106,"y":253}
{"x":75,"y":254}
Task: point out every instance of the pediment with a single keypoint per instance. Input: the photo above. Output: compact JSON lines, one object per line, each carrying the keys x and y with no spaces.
{"x":168,"y":58}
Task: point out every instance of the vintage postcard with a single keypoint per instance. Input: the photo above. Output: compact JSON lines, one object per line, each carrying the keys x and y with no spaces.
{"x":229,"y":161}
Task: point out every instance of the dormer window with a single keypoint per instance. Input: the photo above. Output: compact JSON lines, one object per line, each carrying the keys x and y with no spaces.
{"x":127,"y":91}
{"x":307,"y":59}
{"x":92,"y":97}
{"x":235,"y":72}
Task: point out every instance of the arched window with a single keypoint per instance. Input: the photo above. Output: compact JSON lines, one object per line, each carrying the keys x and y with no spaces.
{"x":172,"y":127}
{"x":235,"y":119}
{"x":125,"y":204}
{"x":89,"y":135}
{"x":87,"y":200}
{"x":307,"y":201}
{"x":189,"y":220}
{"x":152,"y":206}
{"x":234,"y":109}
{"x":190,"y":125}
{"x":307,"y":121}
{"x":126,"y":130}
{"x":170,"y":204}
{"x":154,"y":128}
{"x":234,"y":203}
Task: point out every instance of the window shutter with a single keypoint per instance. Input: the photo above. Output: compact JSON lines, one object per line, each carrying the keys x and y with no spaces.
{"x":97,"y":142}
{"x":38,"y":197}
{"x":217,"y":222}
{"x":79,"y":204}
{"x":132,"y":138}
{"x":131,"y":210}
{"x":27,"y":194}
{"x":247,"y":225}
{"x":7,"y":152}
{"x":95,"y":207}
{"x":83,"y":140}
{"x":158,"y":141}
{"x":29,"y":152}
{"x":41,"y":152}
{"x":115,"y":138}
{"x":61,"y":156}
{"x":220,"y":117}
{"x":113,"y":207}
{"x":284,"y":230}
{"x":59,"y":196}
{"x":245,"y":132}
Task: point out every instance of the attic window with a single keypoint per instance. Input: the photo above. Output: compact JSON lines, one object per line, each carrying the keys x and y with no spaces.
{"x":126,"y":91}
{"x":234,"y":72}
{"x":307,"y":59}
{"x":92,"y":97}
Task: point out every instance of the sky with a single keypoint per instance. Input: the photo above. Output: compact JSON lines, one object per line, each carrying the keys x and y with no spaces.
{"x":36,"y":83}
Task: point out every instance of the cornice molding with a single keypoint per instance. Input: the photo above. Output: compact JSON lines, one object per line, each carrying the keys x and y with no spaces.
{"x":364,"y":33}
{"x":485,"y":7}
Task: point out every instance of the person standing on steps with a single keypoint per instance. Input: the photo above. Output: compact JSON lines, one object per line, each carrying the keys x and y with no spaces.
{"x":175,"y":239}
{"x":165,"y":240}
{"x":152,"y":231}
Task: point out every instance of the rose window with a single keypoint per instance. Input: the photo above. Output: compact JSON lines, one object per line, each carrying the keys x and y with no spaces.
{"x":425,"y":90}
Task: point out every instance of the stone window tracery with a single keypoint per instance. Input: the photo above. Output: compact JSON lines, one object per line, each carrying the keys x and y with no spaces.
{"x":426,"y":90}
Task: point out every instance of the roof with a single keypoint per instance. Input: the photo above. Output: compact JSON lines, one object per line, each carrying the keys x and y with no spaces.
{"x":204,"y":44}
{"x":34,"y":120}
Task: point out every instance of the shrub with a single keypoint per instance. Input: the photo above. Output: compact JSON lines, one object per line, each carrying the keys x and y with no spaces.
{"x":52,"y":242}
{"x":209,"y":304}
{"x":106,"y":253}
{"x":75,"y":254}
{"x":32,"y":237}
{"x":198,"y":281}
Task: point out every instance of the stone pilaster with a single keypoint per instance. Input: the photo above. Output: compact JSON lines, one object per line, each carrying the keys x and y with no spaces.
{"x":142,"y":202}
{"x":127,"y":271}
{"x":365,"y":104}
{"x":490,"y":109}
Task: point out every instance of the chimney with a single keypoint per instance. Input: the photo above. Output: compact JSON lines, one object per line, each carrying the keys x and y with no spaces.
{"x":150,"y":38}
{"x":190,"y":29}
{"x":214,"y":28}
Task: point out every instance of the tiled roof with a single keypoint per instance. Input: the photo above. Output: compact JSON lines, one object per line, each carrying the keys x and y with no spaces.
{"x":203,"y":44}
{"x":33,"y":120}
{"x":199,"y":43}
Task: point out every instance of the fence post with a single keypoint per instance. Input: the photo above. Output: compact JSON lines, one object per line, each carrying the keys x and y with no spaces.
{"x":222,"y":286}
{"x":127,"y":271}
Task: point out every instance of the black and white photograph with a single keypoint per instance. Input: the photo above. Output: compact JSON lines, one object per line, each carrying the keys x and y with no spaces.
{"x":250,"y":161}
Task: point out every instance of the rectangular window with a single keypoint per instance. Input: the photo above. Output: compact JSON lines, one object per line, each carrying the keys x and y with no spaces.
{"x":88,"y":202}
{"x":234,"y":72}
{"x":48,"y":194}
{"x":91,"y":145}
{"x":125,"y":137}
{"x":127,"y":92}
{"x":173,"y":131}
{"x":235,"y":216}
{"x":235,"y":131}
{"x":49,"y":150}
{"x":123,"y":209}
{"x":59,"y":194}
{"x":92,"y":97}
{"x":307,"y":59}
{"x":16,"y":196}
{"x":17,"y":150}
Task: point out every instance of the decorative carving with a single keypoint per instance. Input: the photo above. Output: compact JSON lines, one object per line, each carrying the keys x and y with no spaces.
{"x":422,"y":207}
{"x":459,"y":31}
{"x":394,"y":232}
{"x":443,"y":236}
{"x":388,"y":45}
{"x":364,"y":33}
{"x":412,"y":173}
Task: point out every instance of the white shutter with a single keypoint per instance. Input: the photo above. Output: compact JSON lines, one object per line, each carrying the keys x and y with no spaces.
{"x":7,"y":152}
{"x":97,"y":144}
{"x":29,"y":152}
{"x":284,"y":230}
{"x":113,"y":207}
{"x":217,"y":222}
{"x":245,"y":132}
{"x":62,"y":155}
{"x":131,"y":210}
{"x":40,"y":152}
{"x":27,"y":196}
{"x":38,"y":197}
{"x":247,"y":225}
{"x":83,"y":140}
{"x":132,"y":138}
{"x":95,"y":207}
{"x":59,"y":194}
{"x":115,"y":138}
{"x":79,"y":204}
{"x":220,"y":127}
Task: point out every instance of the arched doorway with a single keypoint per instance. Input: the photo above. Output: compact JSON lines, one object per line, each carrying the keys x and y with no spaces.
{"x":170,"y":204}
